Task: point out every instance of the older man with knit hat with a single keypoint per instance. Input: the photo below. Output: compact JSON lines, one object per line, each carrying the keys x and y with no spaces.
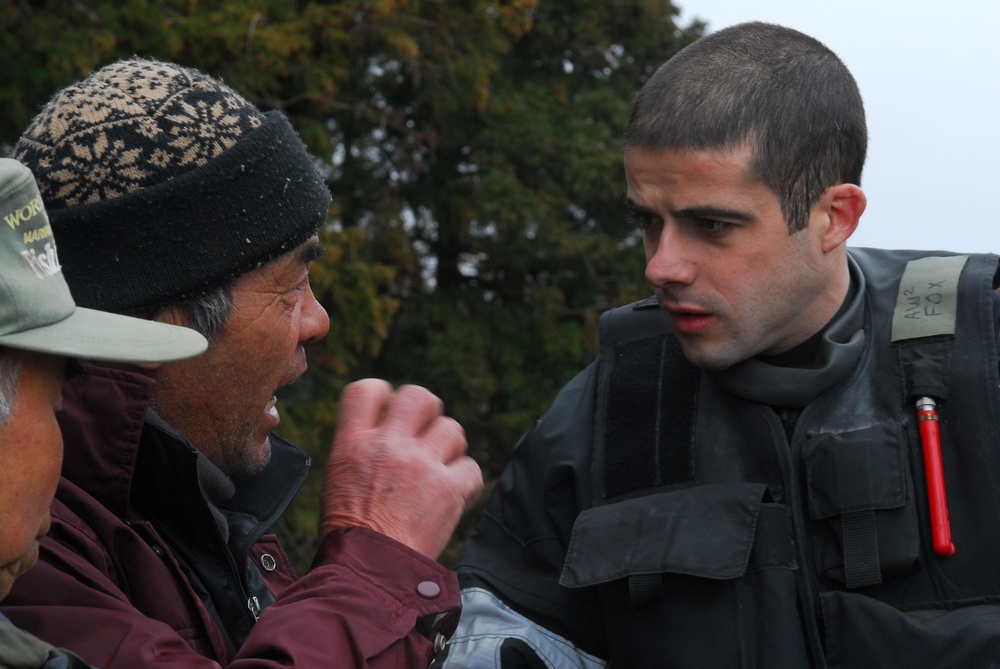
{"x":175,"y":199}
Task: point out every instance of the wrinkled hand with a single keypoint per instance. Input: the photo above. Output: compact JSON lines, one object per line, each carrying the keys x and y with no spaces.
{"x":398,"y":466}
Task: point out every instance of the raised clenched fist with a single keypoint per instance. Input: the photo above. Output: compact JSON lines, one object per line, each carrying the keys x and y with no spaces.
{"x":398,"y":466}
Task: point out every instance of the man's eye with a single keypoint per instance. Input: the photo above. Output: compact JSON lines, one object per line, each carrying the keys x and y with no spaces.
{"x":644,"y":220}
{"x":713,"y":227}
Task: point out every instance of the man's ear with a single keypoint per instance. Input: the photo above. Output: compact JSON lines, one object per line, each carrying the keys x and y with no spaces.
{"x":173,"y":316}
{"x":844,"y":204}
{"x":170,"y":316}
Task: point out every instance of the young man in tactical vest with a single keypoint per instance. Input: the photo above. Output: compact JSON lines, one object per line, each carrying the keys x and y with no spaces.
{"x":174,"y":198}
{"x":41,"y":330}
{"x":789,"y":456}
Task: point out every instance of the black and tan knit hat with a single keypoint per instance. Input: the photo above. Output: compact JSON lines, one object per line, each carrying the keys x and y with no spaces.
{"x":162,"y":183}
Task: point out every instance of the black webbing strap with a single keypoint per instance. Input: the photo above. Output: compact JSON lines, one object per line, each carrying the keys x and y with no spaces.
{"x":861,"y":562}
{"x":924,"y":323}
{"x":649,"y":400}
{"x":644,"y":588}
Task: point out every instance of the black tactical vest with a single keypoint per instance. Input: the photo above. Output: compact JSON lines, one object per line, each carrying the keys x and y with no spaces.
{"x":716,"y":541}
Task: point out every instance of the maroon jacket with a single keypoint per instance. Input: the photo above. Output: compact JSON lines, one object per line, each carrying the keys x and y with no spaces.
{"x":111,"y":587}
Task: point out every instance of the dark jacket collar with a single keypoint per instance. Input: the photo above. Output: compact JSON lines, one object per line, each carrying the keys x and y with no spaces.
{"x":104,"y":421}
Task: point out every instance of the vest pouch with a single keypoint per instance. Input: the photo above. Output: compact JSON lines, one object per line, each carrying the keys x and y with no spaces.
{"x":861,"y":631}
{"x":693,"y":570}
{"x":860,"y":499}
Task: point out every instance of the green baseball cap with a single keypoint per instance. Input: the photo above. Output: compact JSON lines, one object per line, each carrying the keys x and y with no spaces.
{"x":37,"y":312}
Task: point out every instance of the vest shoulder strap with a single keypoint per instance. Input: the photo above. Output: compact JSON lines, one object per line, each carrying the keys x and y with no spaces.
{"x":646,"y":405}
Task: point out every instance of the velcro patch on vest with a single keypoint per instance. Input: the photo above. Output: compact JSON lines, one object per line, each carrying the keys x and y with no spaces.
{"x":649,"y":433}
{"x":927,"y":301}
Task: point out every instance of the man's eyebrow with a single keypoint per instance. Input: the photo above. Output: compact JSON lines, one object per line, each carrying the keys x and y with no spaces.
{"x":311,"y":252}
{"x":634,"y":207}
{"x":712,"y":213}
{"x":698,"y":211}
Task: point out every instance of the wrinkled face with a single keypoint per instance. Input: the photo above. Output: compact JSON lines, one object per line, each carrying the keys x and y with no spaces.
{"x":223,"y":400}
{"x":30,"y":460}
{"x":730,"y":279}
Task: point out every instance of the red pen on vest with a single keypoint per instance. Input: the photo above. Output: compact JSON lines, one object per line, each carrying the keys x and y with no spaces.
{"x":930,"y":437}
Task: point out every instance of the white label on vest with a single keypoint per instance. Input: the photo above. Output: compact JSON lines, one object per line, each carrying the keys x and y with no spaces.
{"x":927,"y":302}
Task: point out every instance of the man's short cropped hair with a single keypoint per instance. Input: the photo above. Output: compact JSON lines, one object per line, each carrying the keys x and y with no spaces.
{"x":783,"y":93}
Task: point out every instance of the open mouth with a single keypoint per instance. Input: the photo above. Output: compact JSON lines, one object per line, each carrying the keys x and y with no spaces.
{"x":271,"y":412}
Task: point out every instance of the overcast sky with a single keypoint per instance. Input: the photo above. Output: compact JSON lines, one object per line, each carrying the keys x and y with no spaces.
{"x":929,"y":74}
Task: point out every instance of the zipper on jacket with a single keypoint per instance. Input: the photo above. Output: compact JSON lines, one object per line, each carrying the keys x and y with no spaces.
{"x":242,"y":584}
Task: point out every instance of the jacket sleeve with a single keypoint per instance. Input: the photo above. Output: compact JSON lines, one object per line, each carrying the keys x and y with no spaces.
{"x":515,"y":613}
{"x":357,"y":607}
{"x":367,"y":595}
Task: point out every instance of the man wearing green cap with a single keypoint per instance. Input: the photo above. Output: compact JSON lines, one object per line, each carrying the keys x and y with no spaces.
{"x":40,"y":329}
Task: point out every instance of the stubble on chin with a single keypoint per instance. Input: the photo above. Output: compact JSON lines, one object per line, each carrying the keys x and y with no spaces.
{"x":247,"y":457}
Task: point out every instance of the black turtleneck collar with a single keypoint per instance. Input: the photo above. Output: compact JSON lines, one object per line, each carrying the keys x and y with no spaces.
{"x":795,"y":377}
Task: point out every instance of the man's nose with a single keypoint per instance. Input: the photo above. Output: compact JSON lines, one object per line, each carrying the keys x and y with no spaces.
{"x":315,"y":320}
{"x":670,"y":258}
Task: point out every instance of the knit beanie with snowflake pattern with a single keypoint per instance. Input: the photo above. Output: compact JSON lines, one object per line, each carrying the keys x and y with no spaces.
{"x":162,"y":183}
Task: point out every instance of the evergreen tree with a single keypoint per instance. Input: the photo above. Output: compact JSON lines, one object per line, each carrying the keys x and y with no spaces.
{"x":473,"y":151}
